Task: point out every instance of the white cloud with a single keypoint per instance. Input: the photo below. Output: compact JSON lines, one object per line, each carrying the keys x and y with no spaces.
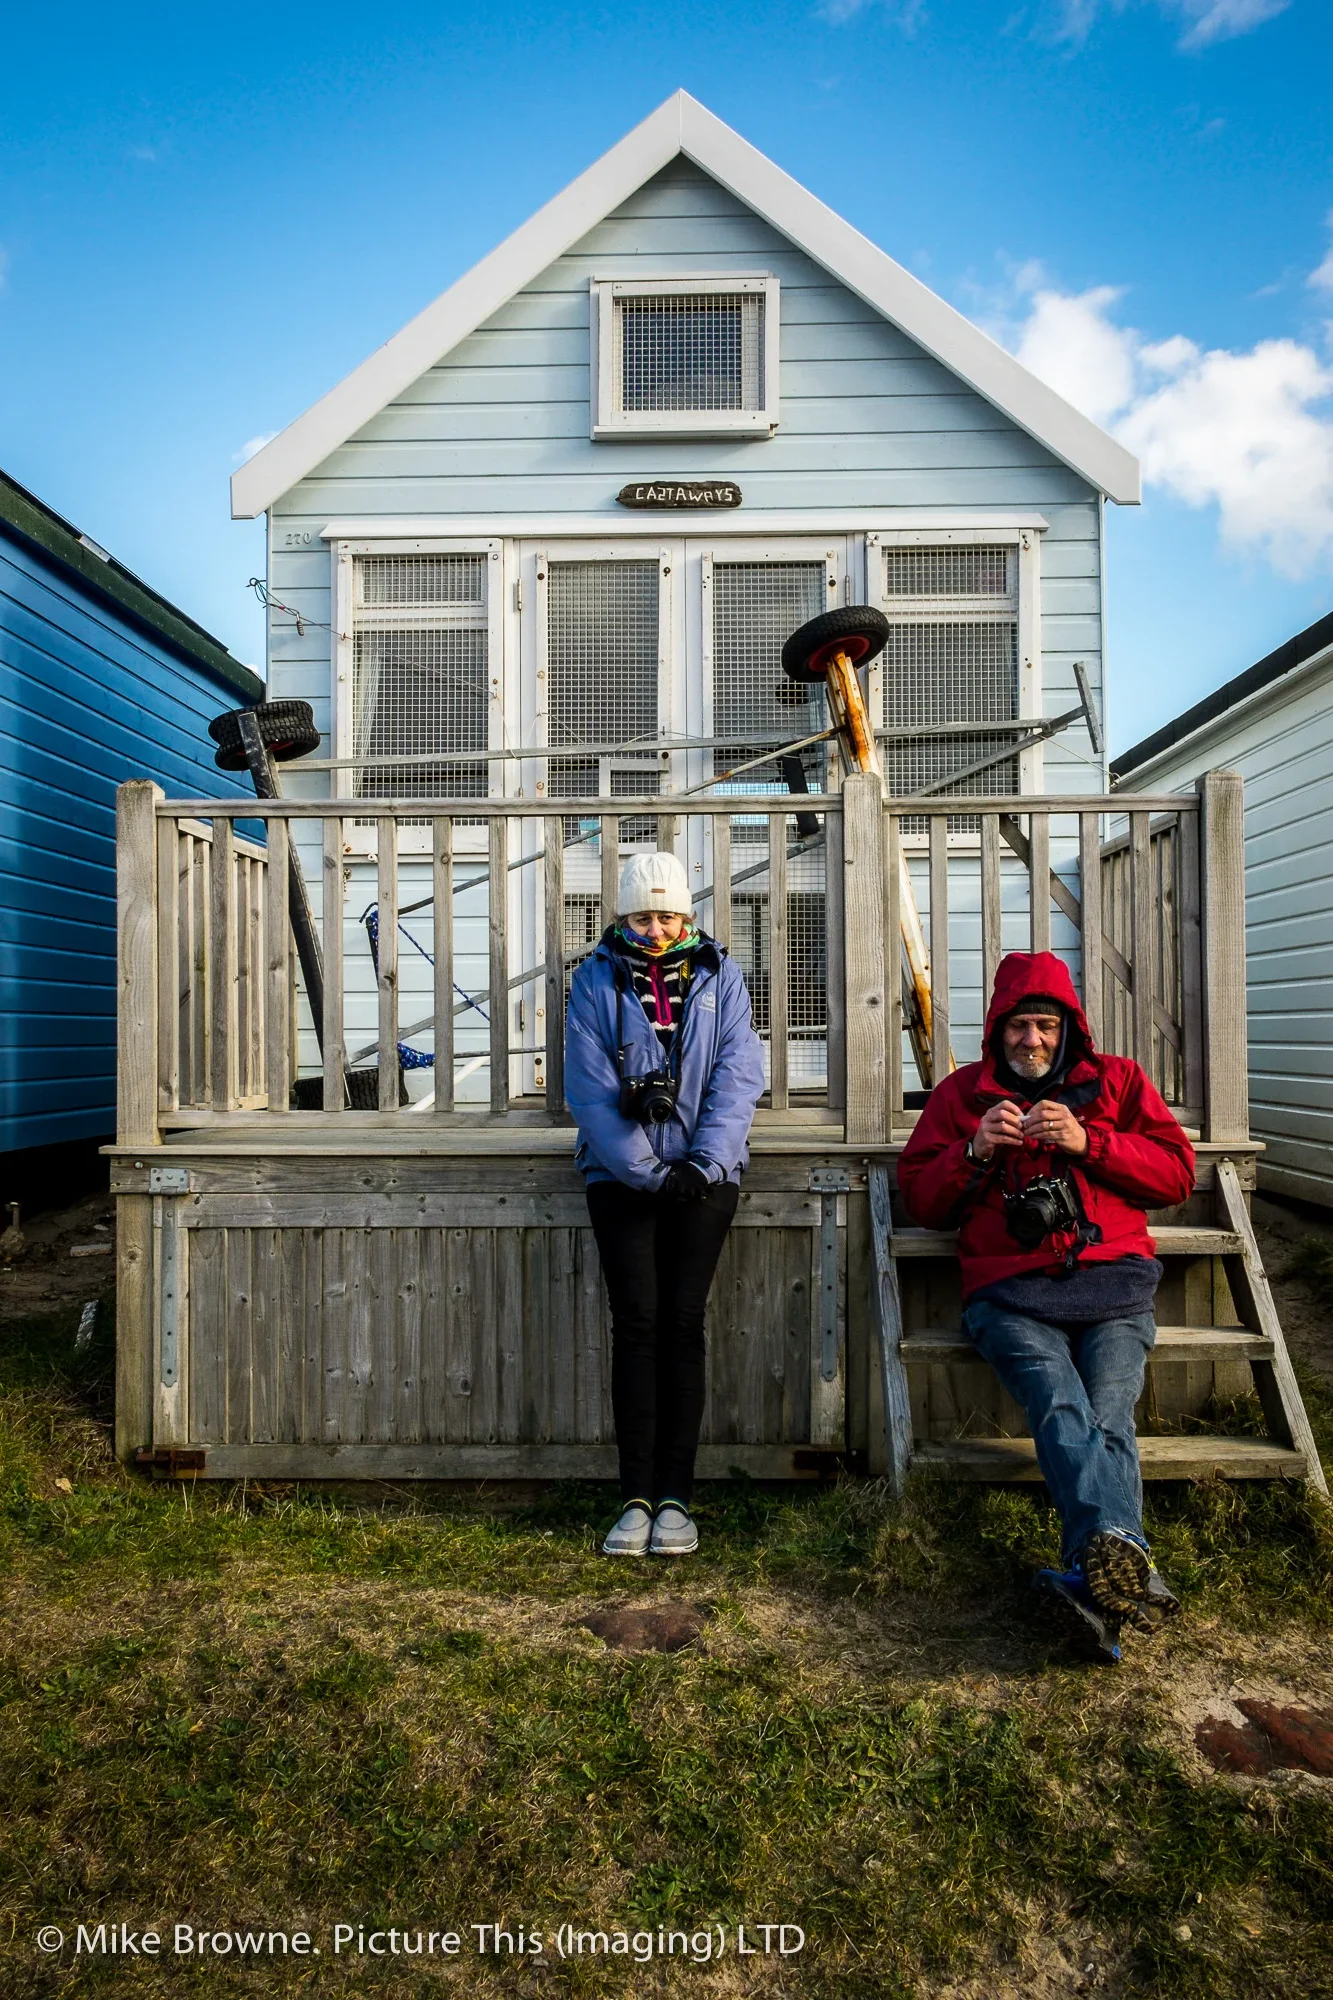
{"x":1249,"y":432}
{"x":1204,"y":21}
{"x":908,"y":14}
{"x":251,"y":446}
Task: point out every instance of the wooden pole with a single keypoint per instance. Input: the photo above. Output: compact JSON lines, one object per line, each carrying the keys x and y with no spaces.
{"x":136,"y":1103}
{"x":864,"y":954}
{"x":1222,"y":844}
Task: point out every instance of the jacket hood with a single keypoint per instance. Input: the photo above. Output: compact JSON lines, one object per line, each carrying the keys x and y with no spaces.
{"x":1021,"y":976}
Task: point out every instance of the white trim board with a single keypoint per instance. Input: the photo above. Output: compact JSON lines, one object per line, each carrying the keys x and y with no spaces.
{"x":623,"y":525}
{"x":683,"y":126}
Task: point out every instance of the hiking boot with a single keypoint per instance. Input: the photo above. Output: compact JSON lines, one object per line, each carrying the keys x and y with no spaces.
{"x":1118,"y":1569}
{"x":630,"y":1535}
{"x":1066,"y":1596}
{"x":674,"y":1531}
{"x":1158,"y":1603}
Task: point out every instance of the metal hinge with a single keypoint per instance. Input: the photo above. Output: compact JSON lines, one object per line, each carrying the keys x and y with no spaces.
{"x":830,"y":1180}
{"x":170,"y":1459}
{"x":168,"y":1180}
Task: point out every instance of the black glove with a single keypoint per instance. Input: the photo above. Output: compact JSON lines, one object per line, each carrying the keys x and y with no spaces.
{"x":686,"y":1182}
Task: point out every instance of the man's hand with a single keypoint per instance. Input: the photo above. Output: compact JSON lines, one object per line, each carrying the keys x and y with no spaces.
{"x":1055,"y":1126}
{"x":1001,"y":1126}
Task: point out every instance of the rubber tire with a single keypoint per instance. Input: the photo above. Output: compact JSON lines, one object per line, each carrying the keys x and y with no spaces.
{"x":859,"y":629}
{"x":287,"y":729}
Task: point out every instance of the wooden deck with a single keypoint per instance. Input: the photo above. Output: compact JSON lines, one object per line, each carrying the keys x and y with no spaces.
{"x":413,"y":1292}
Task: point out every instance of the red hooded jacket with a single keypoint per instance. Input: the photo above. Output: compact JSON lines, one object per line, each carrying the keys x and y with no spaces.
{"x":1137,"y":1156}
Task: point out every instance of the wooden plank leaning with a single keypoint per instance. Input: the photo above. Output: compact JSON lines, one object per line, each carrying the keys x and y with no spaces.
{"x":1275,"y":1380}
{"x":888,"y":1312}
{"x":136,"y":1103}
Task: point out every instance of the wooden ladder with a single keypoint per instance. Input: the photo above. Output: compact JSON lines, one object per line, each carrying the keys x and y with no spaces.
{"x":946,"y":1411}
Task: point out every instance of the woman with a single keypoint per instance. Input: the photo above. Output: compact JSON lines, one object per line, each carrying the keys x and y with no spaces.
{"x":663,"y":1070}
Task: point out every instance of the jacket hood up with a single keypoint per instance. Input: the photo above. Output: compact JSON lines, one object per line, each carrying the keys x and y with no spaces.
{"x":1023,"y":975}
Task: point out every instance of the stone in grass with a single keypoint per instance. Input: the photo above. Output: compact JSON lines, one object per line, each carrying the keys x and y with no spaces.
{"x":1270,"y":1739}
{"x":648,"y":1628}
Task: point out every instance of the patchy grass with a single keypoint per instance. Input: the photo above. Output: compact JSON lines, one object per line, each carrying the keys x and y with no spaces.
{"x":284,"y":1707}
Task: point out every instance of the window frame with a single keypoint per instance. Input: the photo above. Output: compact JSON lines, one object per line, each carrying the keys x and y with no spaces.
{"x":1026,"y":542}
{"x":361,"y":840}
{"x":609,"y":421}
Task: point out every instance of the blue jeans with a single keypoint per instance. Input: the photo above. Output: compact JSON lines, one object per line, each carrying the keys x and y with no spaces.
{"x":1078,"y":1385}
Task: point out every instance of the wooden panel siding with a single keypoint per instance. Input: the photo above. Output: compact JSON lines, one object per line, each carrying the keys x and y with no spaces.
{"x":404,"y":1342}
{"x":88,"y":700}
{"x":1283,"y":747}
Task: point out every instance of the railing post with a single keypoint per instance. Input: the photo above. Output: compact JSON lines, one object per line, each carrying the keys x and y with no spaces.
{"x":136,"y":1102}
{"x":1226,"y":1054}
{"x":863,"y":956}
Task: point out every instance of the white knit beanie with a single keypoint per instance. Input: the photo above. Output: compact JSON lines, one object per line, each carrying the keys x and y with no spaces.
{"x":654,"y":882}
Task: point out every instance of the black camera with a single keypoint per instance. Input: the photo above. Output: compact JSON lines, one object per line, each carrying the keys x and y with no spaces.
{"x":1035,"y":1211}
{"x":651,"y":1099}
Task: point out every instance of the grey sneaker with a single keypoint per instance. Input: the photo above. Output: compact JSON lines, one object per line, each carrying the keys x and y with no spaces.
{"x":674,"y":1532}
{"x":630,"y":1535}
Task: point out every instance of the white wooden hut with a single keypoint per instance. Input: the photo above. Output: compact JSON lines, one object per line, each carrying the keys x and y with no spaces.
{"x":533,"y":561}
{"x":1274,"y":724}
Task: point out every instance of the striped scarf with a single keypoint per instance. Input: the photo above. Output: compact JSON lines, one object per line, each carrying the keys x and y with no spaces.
{"x":660,"y":980}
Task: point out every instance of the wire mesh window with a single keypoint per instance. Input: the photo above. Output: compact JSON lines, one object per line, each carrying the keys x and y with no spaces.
{"x":583,"y":927}
{"x":948,"y":572}
{"x":420,"y":673}
{"x":421,"y":580}
{"x":602,"y":649}
{"x":943,"y":668}
{"x":756,"y":607}
{"x":807,"y":973}
{"x":691,"y":351}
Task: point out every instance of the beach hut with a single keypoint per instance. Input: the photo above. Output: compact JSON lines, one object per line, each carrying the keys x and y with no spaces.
{"x":1274,"y":724}
{"x":532,"y":565}
{"x":101,"y":679}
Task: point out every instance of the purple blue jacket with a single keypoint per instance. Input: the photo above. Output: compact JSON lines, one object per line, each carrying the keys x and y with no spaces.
{"x":720,"y":1070}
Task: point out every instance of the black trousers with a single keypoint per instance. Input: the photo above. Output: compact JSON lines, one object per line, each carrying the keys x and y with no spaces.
{"x":658,"y":1258}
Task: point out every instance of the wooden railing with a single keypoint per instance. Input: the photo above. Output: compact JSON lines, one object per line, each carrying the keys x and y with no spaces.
{"x":1150,"y":920}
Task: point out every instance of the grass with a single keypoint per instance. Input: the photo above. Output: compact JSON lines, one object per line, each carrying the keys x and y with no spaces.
{"x":286,"y":1707}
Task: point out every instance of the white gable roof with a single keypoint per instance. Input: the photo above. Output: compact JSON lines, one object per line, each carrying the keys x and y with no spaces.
{"x":683,"y":126}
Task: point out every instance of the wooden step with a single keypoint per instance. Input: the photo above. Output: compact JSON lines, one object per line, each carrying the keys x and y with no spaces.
{"x":1198,"y":1457}
{"x":1171,"y":1240}
{"x":1174,"y":1343}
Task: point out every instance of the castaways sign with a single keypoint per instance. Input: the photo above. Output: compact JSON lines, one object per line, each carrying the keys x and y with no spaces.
{"x":680,"y":493}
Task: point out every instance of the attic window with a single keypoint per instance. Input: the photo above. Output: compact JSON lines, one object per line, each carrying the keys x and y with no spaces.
{"x":694,"y":357}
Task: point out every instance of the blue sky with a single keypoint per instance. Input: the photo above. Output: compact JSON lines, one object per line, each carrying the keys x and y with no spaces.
{"x":206,"y":220}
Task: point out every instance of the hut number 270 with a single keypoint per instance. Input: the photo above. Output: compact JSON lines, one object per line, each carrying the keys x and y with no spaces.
{"x":298,"y":538}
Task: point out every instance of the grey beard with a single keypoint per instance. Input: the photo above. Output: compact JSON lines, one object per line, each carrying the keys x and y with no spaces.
{"x":1033,"y":1067}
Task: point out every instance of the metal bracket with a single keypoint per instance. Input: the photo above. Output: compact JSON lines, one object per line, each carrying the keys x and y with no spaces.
{"x":829,"y":1183}
{"x":168,"y":1180}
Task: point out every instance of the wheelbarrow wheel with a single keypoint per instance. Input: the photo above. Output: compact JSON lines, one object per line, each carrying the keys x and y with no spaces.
{"x":286,"y":728}
{"x":857,"y":630}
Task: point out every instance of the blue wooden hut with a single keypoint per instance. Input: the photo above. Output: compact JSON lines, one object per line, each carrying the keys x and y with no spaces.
{"x":101,"y":679}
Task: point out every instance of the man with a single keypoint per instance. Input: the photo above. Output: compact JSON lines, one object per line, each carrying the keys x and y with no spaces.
{"x":1045,"y":1155}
